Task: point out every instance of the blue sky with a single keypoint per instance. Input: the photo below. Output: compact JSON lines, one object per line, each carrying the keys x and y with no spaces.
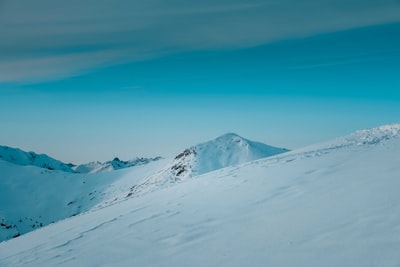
{"x":134,"y":79}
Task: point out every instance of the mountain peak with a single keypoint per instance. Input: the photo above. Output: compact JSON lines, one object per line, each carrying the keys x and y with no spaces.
{"x":229,"y":138}
{"x":226,"y":150}
{"x":229,"y":135}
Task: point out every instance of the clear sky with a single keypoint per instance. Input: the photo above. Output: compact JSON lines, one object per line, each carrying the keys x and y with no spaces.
{"x":90,"y":80}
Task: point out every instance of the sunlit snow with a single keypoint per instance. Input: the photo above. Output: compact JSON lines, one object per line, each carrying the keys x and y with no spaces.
{"x":332,"y":204}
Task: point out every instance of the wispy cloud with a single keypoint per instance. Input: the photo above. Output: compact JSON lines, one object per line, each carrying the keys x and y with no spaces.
{"x":48,"y":39}
{"x":343,"y":61}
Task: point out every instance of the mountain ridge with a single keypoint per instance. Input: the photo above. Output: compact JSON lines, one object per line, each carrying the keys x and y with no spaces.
{"x":23,"y":158}
{"x":108,"y":188}
{"x":92,"y":177}
{"x":20,"y":157}
{"x":226,"y":150}
{"x":332,"y":204}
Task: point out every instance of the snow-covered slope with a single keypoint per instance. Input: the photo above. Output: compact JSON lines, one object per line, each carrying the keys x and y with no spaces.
{"x":37,"y":196}
{"x":227,"y":150}
{"x":334,"y":204}
{"x":36,"y":190}
{"x":19,"y":157}
{"x":32,"y":197}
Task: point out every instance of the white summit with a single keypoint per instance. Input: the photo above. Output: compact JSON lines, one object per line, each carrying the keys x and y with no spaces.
{"x":227,"y":150}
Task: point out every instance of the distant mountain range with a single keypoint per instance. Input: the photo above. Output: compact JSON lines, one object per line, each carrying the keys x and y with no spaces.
{"x":226,"y":150}
{"x":63,"y":190}
{"x":229,"y":201}
{"x":115,"y":164}
{"x":20,"y":157}
{"x":37,"y":190}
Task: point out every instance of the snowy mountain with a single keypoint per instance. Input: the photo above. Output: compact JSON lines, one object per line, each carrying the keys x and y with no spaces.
{"x":46,"y":196}
{"x":36,"y":190}
{"x":19,"y":157}
{"x":115,"y":164}
{"x":33,"y":197}
{"x":331,"y":204}
{"x":227,"y":150}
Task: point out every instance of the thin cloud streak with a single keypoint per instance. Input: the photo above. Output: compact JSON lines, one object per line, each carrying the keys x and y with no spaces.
{"x":332,"y":62}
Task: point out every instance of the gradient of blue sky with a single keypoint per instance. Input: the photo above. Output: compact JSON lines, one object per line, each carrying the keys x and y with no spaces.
{"x":312,"y":72}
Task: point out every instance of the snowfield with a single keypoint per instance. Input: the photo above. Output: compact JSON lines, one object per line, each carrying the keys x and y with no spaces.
{"x":37,"y":190}
{"x":333,"y":204}
{"x":32,"y":197}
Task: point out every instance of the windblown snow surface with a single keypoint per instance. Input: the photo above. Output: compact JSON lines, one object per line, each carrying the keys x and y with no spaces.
{"x":33,"y":197}
{"x":334,"y":204}
{"x":225,"y":151}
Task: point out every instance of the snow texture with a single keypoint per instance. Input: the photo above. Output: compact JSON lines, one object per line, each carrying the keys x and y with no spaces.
{"x":32,"y":197}
{"x":227,"y":150}
{"x":333,"y":204}
{"x":59,"y":194}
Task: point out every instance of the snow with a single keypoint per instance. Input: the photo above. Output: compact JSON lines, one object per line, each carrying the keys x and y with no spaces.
{"x":224,"y":151}
{"x":33,"y":197}
{"x":375,"y":135}
{"x":19,"y":157}
{"x":227,"y":150}
{"x":59,"y":194}
{"x":115,"y":164}
{"x":333,"y":204}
